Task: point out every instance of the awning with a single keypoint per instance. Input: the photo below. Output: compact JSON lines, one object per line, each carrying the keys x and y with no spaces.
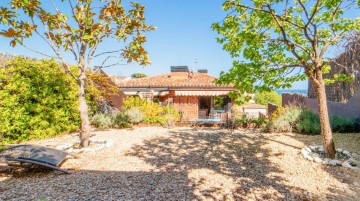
{"x":143,"y":94}
{"x":201,"y":93}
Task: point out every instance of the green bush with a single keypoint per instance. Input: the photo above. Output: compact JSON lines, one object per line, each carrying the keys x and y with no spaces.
{"x":243,"y":120}
{"x":343,"y":124}
{"x":285,"y":121}
{"x":121,"y":120}
{"x":37,"y":100}
{"x":102,"y":120}
{"x":152,"y":112}
{"x":306,"y":121}
{"x":259,"y":122}
{"x":266,"y":97}
{"x":134,"y":115}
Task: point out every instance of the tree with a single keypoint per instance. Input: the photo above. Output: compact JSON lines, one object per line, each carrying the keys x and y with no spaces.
{"x":266,"y":97}
{"x":138,"y":75}
{"x":282,"y":42}
{"x":89,"y":25}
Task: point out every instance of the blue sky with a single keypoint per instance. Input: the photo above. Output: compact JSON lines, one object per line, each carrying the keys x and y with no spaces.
{"x":183,"y":37}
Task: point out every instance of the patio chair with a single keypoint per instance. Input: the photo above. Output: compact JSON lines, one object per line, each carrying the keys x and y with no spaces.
{"x":33,"y":154}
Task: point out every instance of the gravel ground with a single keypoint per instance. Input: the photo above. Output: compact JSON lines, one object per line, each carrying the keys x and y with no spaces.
{"x":190,"y":164}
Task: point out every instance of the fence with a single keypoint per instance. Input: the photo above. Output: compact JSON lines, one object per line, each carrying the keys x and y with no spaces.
{"x":349,"y":109}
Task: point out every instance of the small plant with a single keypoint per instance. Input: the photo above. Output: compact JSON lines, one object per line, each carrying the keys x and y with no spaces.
{"x":259,"y":122}
{"x":244,"y":121}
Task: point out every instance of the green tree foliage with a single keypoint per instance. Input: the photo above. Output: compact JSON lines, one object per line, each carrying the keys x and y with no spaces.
{"x":265,"y":97}
{"x":138,"y":75}
{"x":276,"y":43}
{"x":37,"y":100}
{"x":79,"y":32}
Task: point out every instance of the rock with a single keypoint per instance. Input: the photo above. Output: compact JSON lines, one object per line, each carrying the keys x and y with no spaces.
{"x":355,"y":155}
{"x":309,"y":158}
{"x":109,"y":143}
{"x":321,"y":149}
{"x":326,"y":161}
{"x":339,"y":150}
{"x":304,"y":152}
{"x":346,"y":152}
{"x":317,"y":159}
{"x":335,"y":162}
{"x":354,"y":162}
{"x":307,"y":149}
{"x":312,"y":148}
{"x":346,"y":164}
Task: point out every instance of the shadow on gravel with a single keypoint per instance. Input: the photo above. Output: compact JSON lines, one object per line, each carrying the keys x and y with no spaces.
{"x":99,"y":185}
{"x":220,"y":164}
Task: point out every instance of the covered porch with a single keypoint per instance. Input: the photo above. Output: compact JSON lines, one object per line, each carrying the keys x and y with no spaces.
{"x":203,"y":106}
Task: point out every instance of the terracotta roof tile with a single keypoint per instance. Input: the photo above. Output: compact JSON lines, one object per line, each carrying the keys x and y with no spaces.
{"x":172,"y":80}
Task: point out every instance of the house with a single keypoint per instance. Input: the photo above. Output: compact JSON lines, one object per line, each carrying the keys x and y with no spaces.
{"x":193,"y":94}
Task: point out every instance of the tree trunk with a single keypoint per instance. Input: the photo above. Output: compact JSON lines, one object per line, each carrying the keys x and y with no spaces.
{"x":83,"y":108}
{"x":326,"y":133}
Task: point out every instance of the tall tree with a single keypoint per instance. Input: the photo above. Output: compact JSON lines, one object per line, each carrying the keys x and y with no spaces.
{"x":90,"y":23}
{"x":282,"y":42}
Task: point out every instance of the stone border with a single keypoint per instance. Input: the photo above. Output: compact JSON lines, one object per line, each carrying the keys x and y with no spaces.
{"x":67,"y":147}
{"x":351,"y":162}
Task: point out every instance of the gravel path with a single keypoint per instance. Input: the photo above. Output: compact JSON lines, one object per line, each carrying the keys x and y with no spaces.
{"x":190,"y":164}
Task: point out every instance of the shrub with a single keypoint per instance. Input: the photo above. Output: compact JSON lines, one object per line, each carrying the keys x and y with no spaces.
{"x":169,"y":117}
{"x":285,"y":120}
{"x":279,"y":112}
{"x":152,"y":112}
{"x":343,"y":124}
{"x":266,"y":97}
{"x":37,"y":100}
{"x":308,"y":123}
{"x":259,"y":122}
{"x":134,"y":115}
{"x":121,"y":120}
{"x":102,"y":120}
{"x":243,"y":120}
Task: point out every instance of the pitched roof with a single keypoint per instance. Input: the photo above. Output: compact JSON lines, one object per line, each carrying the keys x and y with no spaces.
{"x":179,"y":79}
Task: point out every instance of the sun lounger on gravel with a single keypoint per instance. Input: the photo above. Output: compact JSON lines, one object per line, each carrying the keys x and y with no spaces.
{"x":38,"y":155}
